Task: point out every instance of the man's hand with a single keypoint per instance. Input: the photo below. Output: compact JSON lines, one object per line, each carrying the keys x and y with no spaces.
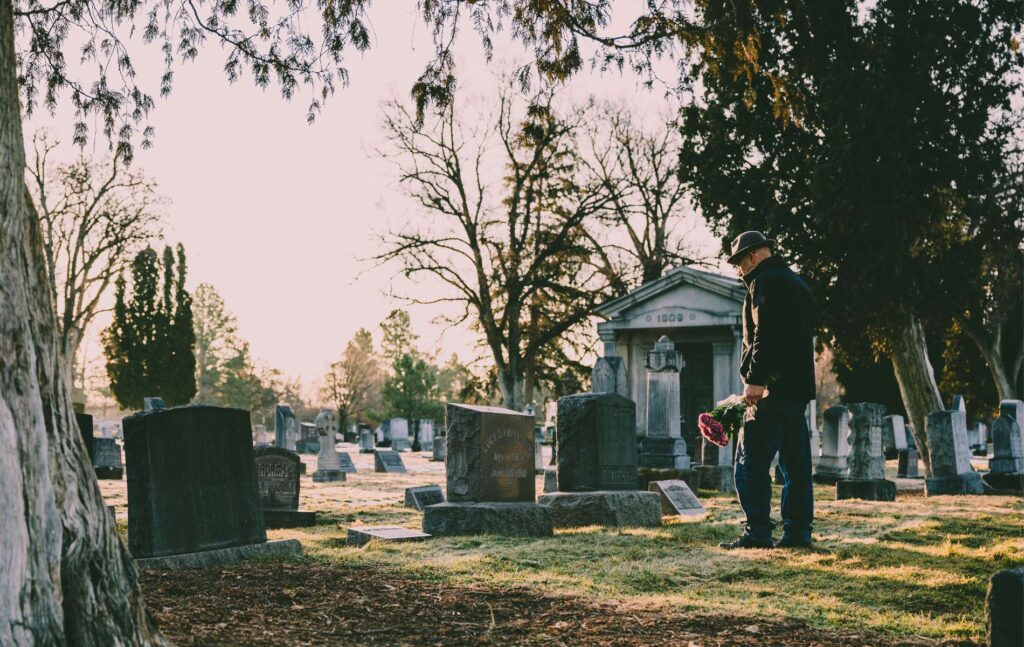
{"x":752,"y":393}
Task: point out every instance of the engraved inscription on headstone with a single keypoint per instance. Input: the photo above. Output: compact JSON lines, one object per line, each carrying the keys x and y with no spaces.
{"x":277,"y":477}
{"x":490,"y":454}
{"x":596,"y":443}
{"x":506,"y":461}
{"x":677,"y":498}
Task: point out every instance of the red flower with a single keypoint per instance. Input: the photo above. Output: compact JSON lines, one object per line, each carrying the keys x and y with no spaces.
{"x":712,"y":430}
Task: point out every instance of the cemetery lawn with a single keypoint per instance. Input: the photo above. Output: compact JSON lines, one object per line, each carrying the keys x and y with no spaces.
{"x":910,"y":572}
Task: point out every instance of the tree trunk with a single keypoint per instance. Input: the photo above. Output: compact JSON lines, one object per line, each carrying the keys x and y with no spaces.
{"x":511,"y":388}
{"x":916,"y":378}
{"x":990,"y":345}
{"x":68,"y":579}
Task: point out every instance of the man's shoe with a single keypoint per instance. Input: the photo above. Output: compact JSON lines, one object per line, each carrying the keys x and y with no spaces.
{"x":746,"y":541}
{"x":791,"y":542}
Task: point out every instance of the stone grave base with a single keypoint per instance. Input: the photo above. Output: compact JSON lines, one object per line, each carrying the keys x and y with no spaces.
{"x":222,"y":556}
{"x":550,"y":480}
{"x":646,"y":475}
{"x":288,"y":519}
{"x":969,"y":483}
{"x":109,"y":473}
{"x":866,"y":489}
{"x":719,"y":478}
{"x":604,"y":508}
{"x":829,"y":478}
{"x":362,"y":535}
{"x":508,"y":519}
{"x":328,"y":476}
{"x":1004,"y":483}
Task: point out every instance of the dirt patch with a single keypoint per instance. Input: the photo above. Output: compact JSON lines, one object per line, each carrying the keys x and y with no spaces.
{"x":309,"y":603}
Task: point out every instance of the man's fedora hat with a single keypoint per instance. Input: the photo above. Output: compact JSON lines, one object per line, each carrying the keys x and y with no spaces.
{"x":748,"y":241}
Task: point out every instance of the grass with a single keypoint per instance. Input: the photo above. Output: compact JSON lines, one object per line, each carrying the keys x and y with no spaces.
{"x":915,"y":567}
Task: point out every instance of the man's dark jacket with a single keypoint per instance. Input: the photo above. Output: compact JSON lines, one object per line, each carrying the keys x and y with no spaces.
{"x":778,"y":349}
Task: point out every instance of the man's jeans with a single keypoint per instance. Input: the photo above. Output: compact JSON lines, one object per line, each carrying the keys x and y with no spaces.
{"x":778,"y":426}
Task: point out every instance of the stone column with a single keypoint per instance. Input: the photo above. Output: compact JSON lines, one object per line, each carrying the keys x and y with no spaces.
{"x":663,"y":446}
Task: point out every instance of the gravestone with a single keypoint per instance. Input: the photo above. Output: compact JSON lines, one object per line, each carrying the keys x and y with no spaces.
{"x":277,"y":480}
{"x":907,"y":467}
{"x":346,"y":464}
{"x":716,"y":469}
{"x":309,"y":438}
{"x":84,"y":421}
{"x":550,"y":480}
{"x":538,"y":451}
{"x":894,"y":436}
{"x":422,"y":496}
{"x":362,"y":535}
{"x":192,"y":485}
{"x":426,"y":433}
{"x":286,"y":431}
{"x":439,"y":449}
{"x":365,"y":440}
{"x":397,"y":431}
{"x":106,"y":459}
{"x":609,"y":376}
{"x":388,"y":461}
{"x":490,"y":479}
{"x":328,"y":465}
{"x":951,"y":459}
{"x":811,"y":413}
{"x":663,"y":445}
{"x":153,"y":404}
{"x":1006,"y":467}
{"x":979,"y":440}
{"x":1004,"y":609}
{"x":677,"y":499}
{"x":597,"y":470}
{"x":866,"y":479}
{"x":835,"y":446}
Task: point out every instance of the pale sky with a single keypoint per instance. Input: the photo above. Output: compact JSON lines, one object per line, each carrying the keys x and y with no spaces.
{"x":277,"y":214}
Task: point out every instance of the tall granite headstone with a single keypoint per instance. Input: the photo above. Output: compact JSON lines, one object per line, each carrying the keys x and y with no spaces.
{"x":609,"y":376}
{"x":191,"y":481}
{"x":1006,"y":467}
{"x":84,"y":421}
{"x":835,"y":446}
{"x":894,"y":436}
{"x":286,"y":431}
{"x":309,"y":438}
{"x":950,"y":457}
{"x":328,"y":464}
{"x":277,"y":479}
{"x":866,"y":479}
{"x":663,"y":445}
{"x":597,"y":469}
{"x":490,"y":478}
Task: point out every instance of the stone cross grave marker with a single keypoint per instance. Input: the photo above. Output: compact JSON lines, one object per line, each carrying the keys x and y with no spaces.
{"x":422,"y":496}
{"x":677,"y":498}
{"x":328,"y":464}
{"x":388,"y":461}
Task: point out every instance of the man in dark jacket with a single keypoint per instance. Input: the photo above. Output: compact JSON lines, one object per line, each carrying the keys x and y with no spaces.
{"x":777,"y":368}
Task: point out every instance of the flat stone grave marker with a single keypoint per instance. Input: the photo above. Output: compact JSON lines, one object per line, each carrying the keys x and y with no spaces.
{"x":192,"y":483}
{"x":388,"y":461}
{"x":362,"y":535}
{"x":677,"y":498}
{"x":422,"y":496}
{"x":346,"y":464}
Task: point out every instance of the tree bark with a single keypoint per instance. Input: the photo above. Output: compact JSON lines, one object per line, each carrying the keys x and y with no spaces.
{"x":68,"y":579}
{"x":990,"y":345}
{"x":916,"y":378}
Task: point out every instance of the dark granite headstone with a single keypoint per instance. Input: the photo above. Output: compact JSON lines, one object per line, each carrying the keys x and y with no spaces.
{"x":1004,"y":609}
{"x":596,"y":443}
{"x":309,"y":439}
{"x":106,"y":459}
{"x":191,"y":481}
{"x":285,"y":427}
{"x":386,"y":460}
{"x":422,"y":496}
{"x":84,"y":421}
{"x":365,"y":440}
{"x":277,"y":477}
{"x":490,"y":454}
{"x":347,"y":466}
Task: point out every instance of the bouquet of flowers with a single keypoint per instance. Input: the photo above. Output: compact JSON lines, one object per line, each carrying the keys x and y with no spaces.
{"x":724,"y":421}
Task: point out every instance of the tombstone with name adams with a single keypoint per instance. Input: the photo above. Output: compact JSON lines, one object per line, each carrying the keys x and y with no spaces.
{"x":277,"y":478}
{"x":490,"y":478}
{"x":597,"y":470}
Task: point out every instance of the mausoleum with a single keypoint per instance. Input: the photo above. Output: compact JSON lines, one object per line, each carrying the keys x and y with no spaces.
{"x":701,"y":312}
